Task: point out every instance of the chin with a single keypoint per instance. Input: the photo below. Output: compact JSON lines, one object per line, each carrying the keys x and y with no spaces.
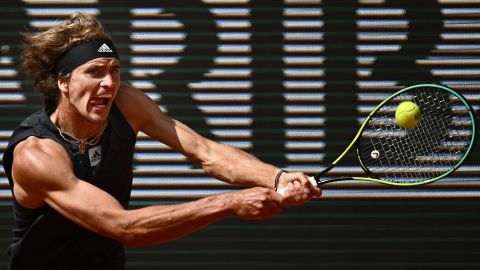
{"x":99,"y":116}
{"x":97,"y":119}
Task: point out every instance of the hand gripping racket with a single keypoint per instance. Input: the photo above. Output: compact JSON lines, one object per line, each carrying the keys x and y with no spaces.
{"x":427,"y":152}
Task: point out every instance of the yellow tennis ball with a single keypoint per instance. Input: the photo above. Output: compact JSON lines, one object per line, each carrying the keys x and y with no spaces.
{"x":407,"y":114}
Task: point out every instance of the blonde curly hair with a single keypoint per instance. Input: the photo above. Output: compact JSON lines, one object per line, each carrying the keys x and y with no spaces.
{"x":41,"y":51}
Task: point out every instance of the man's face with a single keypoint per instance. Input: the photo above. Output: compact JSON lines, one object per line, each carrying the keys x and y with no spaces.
{"x":92,"y":87}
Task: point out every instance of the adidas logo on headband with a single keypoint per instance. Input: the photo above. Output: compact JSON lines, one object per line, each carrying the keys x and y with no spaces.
{"x":84,"y":52}
{"x":104,"y":48}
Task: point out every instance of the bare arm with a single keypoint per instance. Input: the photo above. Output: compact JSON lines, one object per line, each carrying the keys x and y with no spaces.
{"x":42,"y":173}
{"x":218,"y":160}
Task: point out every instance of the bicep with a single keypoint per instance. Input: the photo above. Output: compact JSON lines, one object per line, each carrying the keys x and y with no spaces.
{"x":88,"y":206}
{"x":43,"y":170}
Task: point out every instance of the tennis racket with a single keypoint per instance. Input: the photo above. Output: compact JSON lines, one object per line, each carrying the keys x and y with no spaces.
{"x":425,"y":153}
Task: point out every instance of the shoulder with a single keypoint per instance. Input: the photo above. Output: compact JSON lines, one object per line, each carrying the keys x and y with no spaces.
{"x":34,"y":148}
{"x":36,"y":155}
{"x":36,"y":159}
{"x":127,"y":100}
{"x":136,"y":106}
{"x":38,"y":164}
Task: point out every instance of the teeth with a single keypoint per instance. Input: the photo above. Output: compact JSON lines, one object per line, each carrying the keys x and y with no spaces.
{"x":105,"y":96}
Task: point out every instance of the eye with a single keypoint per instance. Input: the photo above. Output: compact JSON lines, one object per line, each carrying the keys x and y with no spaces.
{"x":115,"y":70}
{"x":93,"y":71}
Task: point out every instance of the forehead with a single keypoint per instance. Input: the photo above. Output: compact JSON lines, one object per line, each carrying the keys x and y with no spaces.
{"x":103,"y":61}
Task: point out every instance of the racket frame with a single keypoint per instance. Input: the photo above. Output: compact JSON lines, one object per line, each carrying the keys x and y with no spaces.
{"x":316,"y":179}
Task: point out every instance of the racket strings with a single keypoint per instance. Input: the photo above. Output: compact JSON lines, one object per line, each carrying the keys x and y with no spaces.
{"x":435,"y":124}
{"x":426,"y":151}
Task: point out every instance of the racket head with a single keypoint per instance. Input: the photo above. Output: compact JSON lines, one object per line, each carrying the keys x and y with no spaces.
{"x":433,"y":149}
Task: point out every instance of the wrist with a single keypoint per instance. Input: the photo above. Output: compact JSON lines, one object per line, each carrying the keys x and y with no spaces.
{"x":277,"y":179}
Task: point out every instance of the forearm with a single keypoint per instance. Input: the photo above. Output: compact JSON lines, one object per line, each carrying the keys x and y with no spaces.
{"x":235,"y":166}
{"x":158,"y":224}
{"x":221,"y":161}
{"x":96,"y":210}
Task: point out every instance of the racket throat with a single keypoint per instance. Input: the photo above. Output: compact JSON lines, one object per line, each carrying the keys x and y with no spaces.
{"x":323,"y":172}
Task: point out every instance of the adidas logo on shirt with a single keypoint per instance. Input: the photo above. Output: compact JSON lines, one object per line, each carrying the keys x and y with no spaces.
{"x":105,"y":48}
{"x":95,"y":155}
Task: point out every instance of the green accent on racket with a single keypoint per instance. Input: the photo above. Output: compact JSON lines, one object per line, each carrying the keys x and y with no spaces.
{"x":426,"y":151}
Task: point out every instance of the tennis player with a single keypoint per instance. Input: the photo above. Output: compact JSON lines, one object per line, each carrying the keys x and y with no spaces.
{"x":70,"y":165}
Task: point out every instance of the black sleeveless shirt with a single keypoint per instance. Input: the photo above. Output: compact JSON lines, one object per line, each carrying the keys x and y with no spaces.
{"x":44,"y":239}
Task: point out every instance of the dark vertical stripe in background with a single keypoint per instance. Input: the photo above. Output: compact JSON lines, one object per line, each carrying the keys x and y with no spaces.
{"x":267,"y":65}
{"x":288,"y":81}
{"x":340,"y":68}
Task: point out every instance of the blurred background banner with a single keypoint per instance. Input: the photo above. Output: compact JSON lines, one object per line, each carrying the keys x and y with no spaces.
{"x":288,"y":81}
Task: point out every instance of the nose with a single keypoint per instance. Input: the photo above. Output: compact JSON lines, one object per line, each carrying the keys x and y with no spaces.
{"x":108,"y":81}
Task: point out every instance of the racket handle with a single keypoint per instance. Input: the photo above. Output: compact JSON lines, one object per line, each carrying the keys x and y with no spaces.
{"x":311,"y":179}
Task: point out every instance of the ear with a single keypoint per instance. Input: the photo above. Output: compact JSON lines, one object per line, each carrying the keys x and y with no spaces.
{"x":63,"y":85}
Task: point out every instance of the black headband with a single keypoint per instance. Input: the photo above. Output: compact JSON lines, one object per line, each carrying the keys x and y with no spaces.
{"x":84,"y":52}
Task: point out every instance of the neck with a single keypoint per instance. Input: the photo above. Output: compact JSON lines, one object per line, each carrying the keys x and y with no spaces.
{"x":71,"y":122}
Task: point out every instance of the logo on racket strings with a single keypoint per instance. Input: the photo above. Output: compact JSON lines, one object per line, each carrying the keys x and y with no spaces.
{"x":375,"y":154}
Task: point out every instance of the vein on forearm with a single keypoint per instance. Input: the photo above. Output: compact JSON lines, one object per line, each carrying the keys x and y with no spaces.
{"x":158,"y":224}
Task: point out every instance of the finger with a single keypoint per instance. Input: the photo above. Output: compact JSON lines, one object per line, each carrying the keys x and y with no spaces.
{"x":299,"y":191}
{"x":277,"y":197}
{"x":302,"y":178}
{"x":292,"y":187}
{"x":314,"y":189}
{"x":291,"y":196}
{"x":286,"y":197}
{"x":309,"y":187}
{"x":293,"y":190}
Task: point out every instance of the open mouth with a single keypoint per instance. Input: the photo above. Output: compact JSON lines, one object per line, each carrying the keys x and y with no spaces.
{"x":100,"y":101}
